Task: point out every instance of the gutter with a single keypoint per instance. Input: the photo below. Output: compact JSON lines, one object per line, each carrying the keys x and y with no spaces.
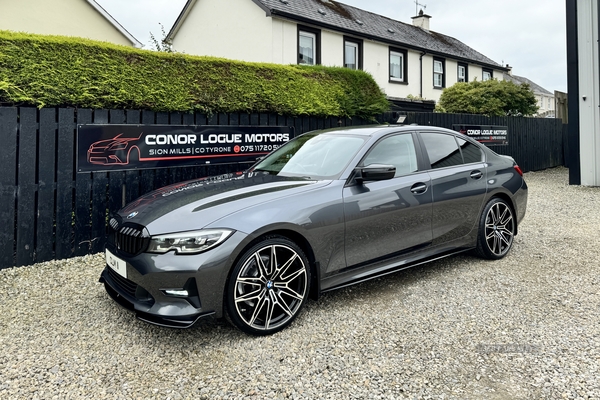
{"x":421,"y":67}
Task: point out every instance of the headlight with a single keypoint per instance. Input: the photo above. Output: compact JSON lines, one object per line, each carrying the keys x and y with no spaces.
{"x":188,"y":242}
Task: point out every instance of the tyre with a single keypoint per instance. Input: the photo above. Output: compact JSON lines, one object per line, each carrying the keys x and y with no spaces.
{"x":497,"y":229}
{"x":268,"y":287}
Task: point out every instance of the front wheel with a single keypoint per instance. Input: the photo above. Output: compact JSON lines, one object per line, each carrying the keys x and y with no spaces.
{"x":497,"y":229}
{"x":268,"y":287}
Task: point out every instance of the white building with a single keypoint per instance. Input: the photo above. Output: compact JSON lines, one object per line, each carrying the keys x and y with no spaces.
{"x":405,"y":59}
{"x":82,"y":18}
{"x":545,"y":98}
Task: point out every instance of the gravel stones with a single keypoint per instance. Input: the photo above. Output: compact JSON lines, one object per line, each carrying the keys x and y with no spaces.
{"x":524,"y":327}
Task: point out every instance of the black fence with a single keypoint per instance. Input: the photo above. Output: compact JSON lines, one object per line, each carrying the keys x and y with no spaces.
{"x":534,"y":143}
{"x":48,"y":211}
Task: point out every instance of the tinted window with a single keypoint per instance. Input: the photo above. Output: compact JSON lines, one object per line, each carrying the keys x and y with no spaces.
{"x":397,"y":150}
{"x":442,"y":150}
{"x":471,"y":153}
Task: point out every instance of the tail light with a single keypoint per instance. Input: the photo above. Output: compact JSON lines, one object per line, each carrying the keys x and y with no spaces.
{"x":518,"y":169}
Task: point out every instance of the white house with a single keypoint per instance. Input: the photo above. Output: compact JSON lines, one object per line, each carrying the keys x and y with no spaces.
{"x":545,"y":98}
{"x":405,"y":59}
{"x":82,"y":18}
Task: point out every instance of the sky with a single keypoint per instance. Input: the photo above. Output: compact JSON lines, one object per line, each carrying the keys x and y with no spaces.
{"x":529,"y":35}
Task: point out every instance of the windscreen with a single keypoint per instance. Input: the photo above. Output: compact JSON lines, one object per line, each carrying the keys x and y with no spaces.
{"x":314,"y":156}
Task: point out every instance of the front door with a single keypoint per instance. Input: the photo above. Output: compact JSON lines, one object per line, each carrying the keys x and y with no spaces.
{"x":386,"y":218}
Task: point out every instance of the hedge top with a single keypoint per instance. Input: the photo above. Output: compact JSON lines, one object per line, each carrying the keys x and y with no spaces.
{"x":73,"y":72}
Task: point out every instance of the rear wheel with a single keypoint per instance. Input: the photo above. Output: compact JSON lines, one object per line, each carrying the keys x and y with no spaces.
{"x":497,"y":229}
{"x":268,"y":287}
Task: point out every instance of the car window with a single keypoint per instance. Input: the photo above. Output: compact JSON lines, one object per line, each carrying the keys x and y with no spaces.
{"x":442,"y":150}
{"x":471,"y":153}
{"x":397,"y":150}
{"x":317,"y":156}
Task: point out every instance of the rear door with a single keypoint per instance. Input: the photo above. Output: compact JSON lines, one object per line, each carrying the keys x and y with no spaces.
{"x":386,"y":218}
{"x":458,"y":183}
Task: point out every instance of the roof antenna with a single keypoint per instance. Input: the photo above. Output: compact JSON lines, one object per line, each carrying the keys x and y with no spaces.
{"x":417,"y":4}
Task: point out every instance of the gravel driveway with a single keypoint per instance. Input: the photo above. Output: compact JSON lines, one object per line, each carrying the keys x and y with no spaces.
{"x":525,"y":327}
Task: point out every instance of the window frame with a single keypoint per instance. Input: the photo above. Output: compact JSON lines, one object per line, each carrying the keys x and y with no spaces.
{"x":466,"y":67}
{"x":442,"y":61}
{"x":316,"y":34}
{"x":403,"y":68}
{"x":359,"y":51}
{"x":490,"y":71}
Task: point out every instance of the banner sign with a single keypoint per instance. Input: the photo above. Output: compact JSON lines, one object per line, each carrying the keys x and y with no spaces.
{"x":486,"y":134}
{"x":104,"y":147}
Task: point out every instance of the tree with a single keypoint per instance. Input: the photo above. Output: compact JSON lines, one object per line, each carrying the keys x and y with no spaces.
{"x":491,"y":97}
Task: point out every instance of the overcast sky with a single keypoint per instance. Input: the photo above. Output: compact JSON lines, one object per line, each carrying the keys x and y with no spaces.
{"x":530,"y":35}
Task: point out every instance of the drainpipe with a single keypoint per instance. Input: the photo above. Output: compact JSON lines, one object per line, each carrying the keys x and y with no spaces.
{"x":421,"y":66}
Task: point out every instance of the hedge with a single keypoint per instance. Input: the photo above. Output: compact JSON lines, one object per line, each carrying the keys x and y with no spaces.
{"x":56,"y":71}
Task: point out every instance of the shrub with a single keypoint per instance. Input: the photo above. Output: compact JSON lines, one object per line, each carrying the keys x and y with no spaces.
{"x":491,"y":97}
{"x":73,"y":72}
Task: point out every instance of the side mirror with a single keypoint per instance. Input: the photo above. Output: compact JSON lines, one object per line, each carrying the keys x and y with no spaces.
{"x":375,"y":172}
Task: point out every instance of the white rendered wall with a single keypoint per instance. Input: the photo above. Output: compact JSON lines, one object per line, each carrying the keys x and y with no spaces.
{"x":234,"y":29}
{"x":285,"y":39}
{"x":275,"y":40}
{"x":332,"y":50}
{"x":589,"y":92}
{"x":59,"y":17}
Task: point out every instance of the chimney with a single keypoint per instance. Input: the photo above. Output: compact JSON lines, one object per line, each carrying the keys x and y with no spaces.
{"x":509,"y":69}
{"x":421,"y":20}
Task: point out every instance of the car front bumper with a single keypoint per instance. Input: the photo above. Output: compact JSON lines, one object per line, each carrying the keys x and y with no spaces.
{"x":152,"y":278}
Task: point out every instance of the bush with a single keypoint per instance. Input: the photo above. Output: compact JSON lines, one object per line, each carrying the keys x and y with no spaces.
{"x":491,"y":97}
{"x":55,"y":71}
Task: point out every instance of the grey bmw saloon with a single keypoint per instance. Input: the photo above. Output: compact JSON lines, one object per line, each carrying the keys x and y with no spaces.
{"x":327,"y":209}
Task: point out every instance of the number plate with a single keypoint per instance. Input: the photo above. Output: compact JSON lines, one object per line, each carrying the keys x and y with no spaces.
{"x":118,"y":265}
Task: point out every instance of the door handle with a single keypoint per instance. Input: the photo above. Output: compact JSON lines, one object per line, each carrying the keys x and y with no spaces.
{"x":476,"y":174}
{"x":418,"y":188}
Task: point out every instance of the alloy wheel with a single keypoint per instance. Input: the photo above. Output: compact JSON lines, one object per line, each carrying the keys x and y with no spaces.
{"x":270,"y":287}
{"x":499,"y":228}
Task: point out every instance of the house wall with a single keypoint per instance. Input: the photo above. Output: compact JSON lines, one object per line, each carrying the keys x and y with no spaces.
{"x":59,"y":17}
{"x":235,"y":29}
{"x":275,"y":40}
{"x":545,"y":103}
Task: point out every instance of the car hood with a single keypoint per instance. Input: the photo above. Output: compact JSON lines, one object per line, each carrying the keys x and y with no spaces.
{"x":194,"y":204}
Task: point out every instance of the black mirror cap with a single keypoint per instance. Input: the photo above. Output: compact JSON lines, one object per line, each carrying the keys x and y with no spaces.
{"x":375,"y":172}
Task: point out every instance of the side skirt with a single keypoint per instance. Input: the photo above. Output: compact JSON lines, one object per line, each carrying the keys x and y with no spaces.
{"x":349,"y":279}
